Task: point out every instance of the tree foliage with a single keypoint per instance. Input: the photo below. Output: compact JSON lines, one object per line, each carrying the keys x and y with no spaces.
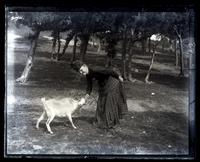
{"x":112,"y":27}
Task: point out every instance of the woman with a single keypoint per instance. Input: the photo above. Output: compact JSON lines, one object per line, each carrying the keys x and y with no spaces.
{"x":111,"y":105}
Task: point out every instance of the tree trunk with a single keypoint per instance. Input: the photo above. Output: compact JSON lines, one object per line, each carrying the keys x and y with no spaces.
{"x":84,"y":44}
{"x":150,"y":67}
{"x":67,"y":40}
{"x":99,"y":46}
{"x":53,"y":50}
{"x":74,"y":48}
{"x":181,"y":56}
{"x":163,"y":46}
{"x":110,"y":49}
{"x":171,"y":46}
{"x":124,"y":44}
{"x":181,"y":52}
{"x":109,"y":60}
{"x":58,"y":55}
{"x":149,"y":45}
{"x":154,"y":48}
{"x":176,"y":53}
{"x":93,"y":45}
{"x":143,"y":46}
{"x":124,"y":69}
{"x":58,"y":40}
{"x":81,"y":45}
{"x":130,"y":64}
{"x":29,"y":63}
{"x":58,"y":50}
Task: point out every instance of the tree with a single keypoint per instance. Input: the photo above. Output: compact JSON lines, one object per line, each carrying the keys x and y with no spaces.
{"x":77,"y":21}
{"x":74,"y":48}
{"x":179,"y":26}
{"x":140,"y":27}
{"x":106,"y":29}
{"x":55,"y":40}
{"x":39,"y":21}
{"x":113,"y":27}
{"x":70,"y":35}
{"x":155,"y":43}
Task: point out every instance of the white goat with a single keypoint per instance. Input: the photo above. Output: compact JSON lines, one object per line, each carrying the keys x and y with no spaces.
{"x":61,"y":108}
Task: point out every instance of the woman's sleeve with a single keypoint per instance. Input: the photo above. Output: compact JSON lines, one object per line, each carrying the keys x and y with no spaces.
{"x":89,"y":85}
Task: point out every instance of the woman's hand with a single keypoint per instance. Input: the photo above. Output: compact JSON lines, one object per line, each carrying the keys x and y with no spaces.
{"x":87,"y":96}
{"x":121,"y":79}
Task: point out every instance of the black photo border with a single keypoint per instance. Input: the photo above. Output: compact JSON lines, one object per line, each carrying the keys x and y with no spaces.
{"x":58,"y":5}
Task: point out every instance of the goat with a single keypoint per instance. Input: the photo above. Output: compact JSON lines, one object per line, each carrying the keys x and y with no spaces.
{"x":61,"y":108}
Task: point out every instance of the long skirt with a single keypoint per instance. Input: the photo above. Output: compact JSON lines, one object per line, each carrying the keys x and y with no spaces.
{"x":111,"y":104}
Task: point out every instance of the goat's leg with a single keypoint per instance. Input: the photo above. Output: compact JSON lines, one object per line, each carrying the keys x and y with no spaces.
{"x":70,"y":119}
{"x":40,"y":119}
{"x":49,"y":120}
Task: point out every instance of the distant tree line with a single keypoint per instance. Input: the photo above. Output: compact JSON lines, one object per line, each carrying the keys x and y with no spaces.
{"x":109,"y":28}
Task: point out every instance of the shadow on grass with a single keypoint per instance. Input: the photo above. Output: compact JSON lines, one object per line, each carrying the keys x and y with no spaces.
{"x":160,"y":58}
{"x":175,"y":82}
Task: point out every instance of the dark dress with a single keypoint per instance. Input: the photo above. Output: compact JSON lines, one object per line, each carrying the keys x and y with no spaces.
{"x":111,"y":103}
